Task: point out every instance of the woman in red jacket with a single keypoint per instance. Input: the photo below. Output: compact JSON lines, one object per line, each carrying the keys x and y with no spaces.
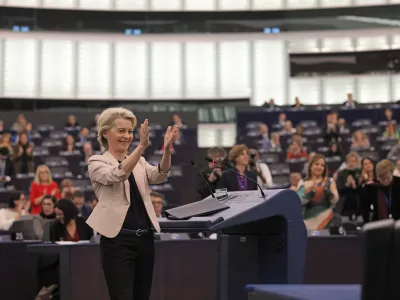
{"x":41,"y":186}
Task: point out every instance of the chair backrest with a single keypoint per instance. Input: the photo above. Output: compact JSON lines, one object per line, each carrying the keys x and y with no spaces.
{"x":393,"y":286}
{"x":378,"y":241}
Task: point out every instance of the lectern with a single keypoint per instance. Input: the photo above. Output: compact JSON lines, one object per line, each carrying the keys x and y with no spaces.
{"x":260,"y":240}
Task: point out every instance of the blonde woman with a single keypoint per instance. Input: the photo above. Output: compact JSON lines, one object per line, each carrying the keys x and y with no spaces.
{"x":359,"y":140}
{"x":124,"y":215}
{"x":41,"y":186}
{"x":318,"y":195}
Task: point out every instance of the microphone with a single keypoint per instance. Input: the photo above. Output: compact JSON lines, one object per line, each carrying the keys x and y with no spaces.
{"x":201,"y":175}
{"x":209,"y":159}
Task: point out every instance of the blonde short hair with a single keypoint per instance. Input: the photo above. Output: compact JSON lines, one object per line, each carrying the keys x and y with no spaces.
{"x":236,"y":151}
{"x":384,"y":166}
{"x":36,"y":179}
{"x":106,"y":121}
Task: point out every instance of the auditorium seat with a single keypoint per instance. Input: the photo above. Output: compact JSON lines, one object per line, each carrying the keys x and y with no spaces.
{"x":393,"y":274}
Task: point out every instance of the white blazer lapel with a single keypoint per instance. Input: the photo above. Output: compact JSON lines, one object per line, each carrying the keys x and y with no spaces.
{"x":115,"y":162}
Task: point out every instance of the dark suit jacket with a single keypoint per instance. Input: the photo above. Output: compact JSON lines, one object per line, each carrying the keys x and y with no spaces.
{"x":58,"y":230}
{"x":229,"y":181}
{"x":369,"y":196}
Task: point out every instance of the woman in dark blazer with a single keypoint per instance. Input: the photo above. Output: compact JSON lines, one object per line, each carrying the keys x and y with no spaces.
{"x":384,"y":195}
{"x":68,"y":226}
{"x":239,"y":156}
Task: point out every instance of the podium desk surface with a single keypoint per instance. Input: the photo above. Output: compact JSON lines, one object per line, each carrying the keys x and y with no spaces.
{"x":239,"y":204}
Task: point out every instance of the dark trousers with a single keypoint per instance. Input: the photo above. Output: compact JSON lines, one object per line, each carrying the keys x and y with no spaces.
{"x":128,"y":262}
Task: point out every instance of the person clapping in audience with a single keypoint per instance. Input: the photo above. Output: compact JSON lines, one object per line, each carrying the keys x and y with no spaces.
{"x":212,"y":173}
{"x":367,"y":177}
{"x":6,"y":167}
{"x":359,"y":140}
{"x":295,"y":179}
{"x":384,"y":195}
{"x":295,"y":151}
{"x":15,"y":210}
{"x":69,"y":226}
{"x":318,"y":194}
{"x":391,"y":131}
{"x":264,"y":177}
{"x":347,"y":183}
{"x":177,"y":121}
{"x":23,"y":155}
{"x":41,"y":186}
{"x":239,"y":156}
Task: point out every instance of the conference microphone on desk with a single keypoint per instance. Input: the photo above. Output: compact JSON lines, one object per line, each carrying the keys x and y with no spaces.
{"x":209,"y":159}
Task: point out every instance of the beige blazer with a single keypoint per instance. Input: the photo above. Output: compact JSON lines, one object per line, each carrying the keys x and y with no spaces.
{"x":111,"y":187}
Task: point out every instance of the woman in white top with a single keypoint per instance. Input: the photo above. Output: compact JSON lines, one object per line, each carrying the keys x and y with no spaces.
{"x":14,"y":211}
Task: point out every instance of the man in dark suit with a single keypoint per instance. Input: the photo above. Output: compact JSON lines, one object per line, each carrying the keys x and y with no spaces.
{"x":350,"y":103}
{"x":6,"y":167}
{"x":79,"y":200}
{"x":239,"y":156}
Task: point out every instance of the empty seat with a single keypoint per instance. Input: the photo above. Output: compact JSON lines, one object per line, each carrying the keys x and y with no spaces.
{"x":60,"y":172}
{"x":279,"y":169}
{"x":281,"y":182}
{"x":361,"y":123}
{"x":56,"y":161}
{"x":268,"y":157}
{"x":308,"y":123}
{"x":58,"y":135}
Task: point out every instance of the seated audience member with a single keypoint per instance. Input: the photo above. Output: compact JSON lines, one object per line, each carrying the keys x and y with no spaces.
{"x":318,"y":194}
{"x":391,"y":131}
{"x":331,"y":129}
{"x":348,"y":184}
{"x":42,"y":186}
{"x":70,"y":144}
{"x":66,"y":189}
{"x":83,"y":136}
{"x":239,"y":156}
{"x":48,"y":205}
{"x":275,"y":141}
{"x":68,"y":225}
{"x":84,"y":210}
{"x":212,"y":173}
{"x":350,"y":103}
{"x":383,"y":196}
{"x":158,"y":203}
{"x":287,"y":128}
{"x":359,"y":140}
{"x":297,"y":138}
{"x":177,"y":120}
{"x":394,"y":153}
{"x":264,"y":177}
{"x":396,"y":171}
{"x":343,"y":126}
{"x":334,"y":150}
{"x":296,"y":152}
{"x":367,"y":177}
{"x":270,"y":104}
{"x":6,"y":167}
{"x":87,"y":152}
{"x":71,"y":122}
{"x":5,"y":141}
{"x":297,"y":103}
{"x":1,"y":127}
{"x":23,"y":155}
{"x":265,"y":142}
{"x":295,"y":179}
{"x":19,"y":124}
{"x":15,"y":210}
{"x":299,"y":129}
{"x":93,"y":202}
{"x":282,"y":119}
{"x":388,"y":117}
